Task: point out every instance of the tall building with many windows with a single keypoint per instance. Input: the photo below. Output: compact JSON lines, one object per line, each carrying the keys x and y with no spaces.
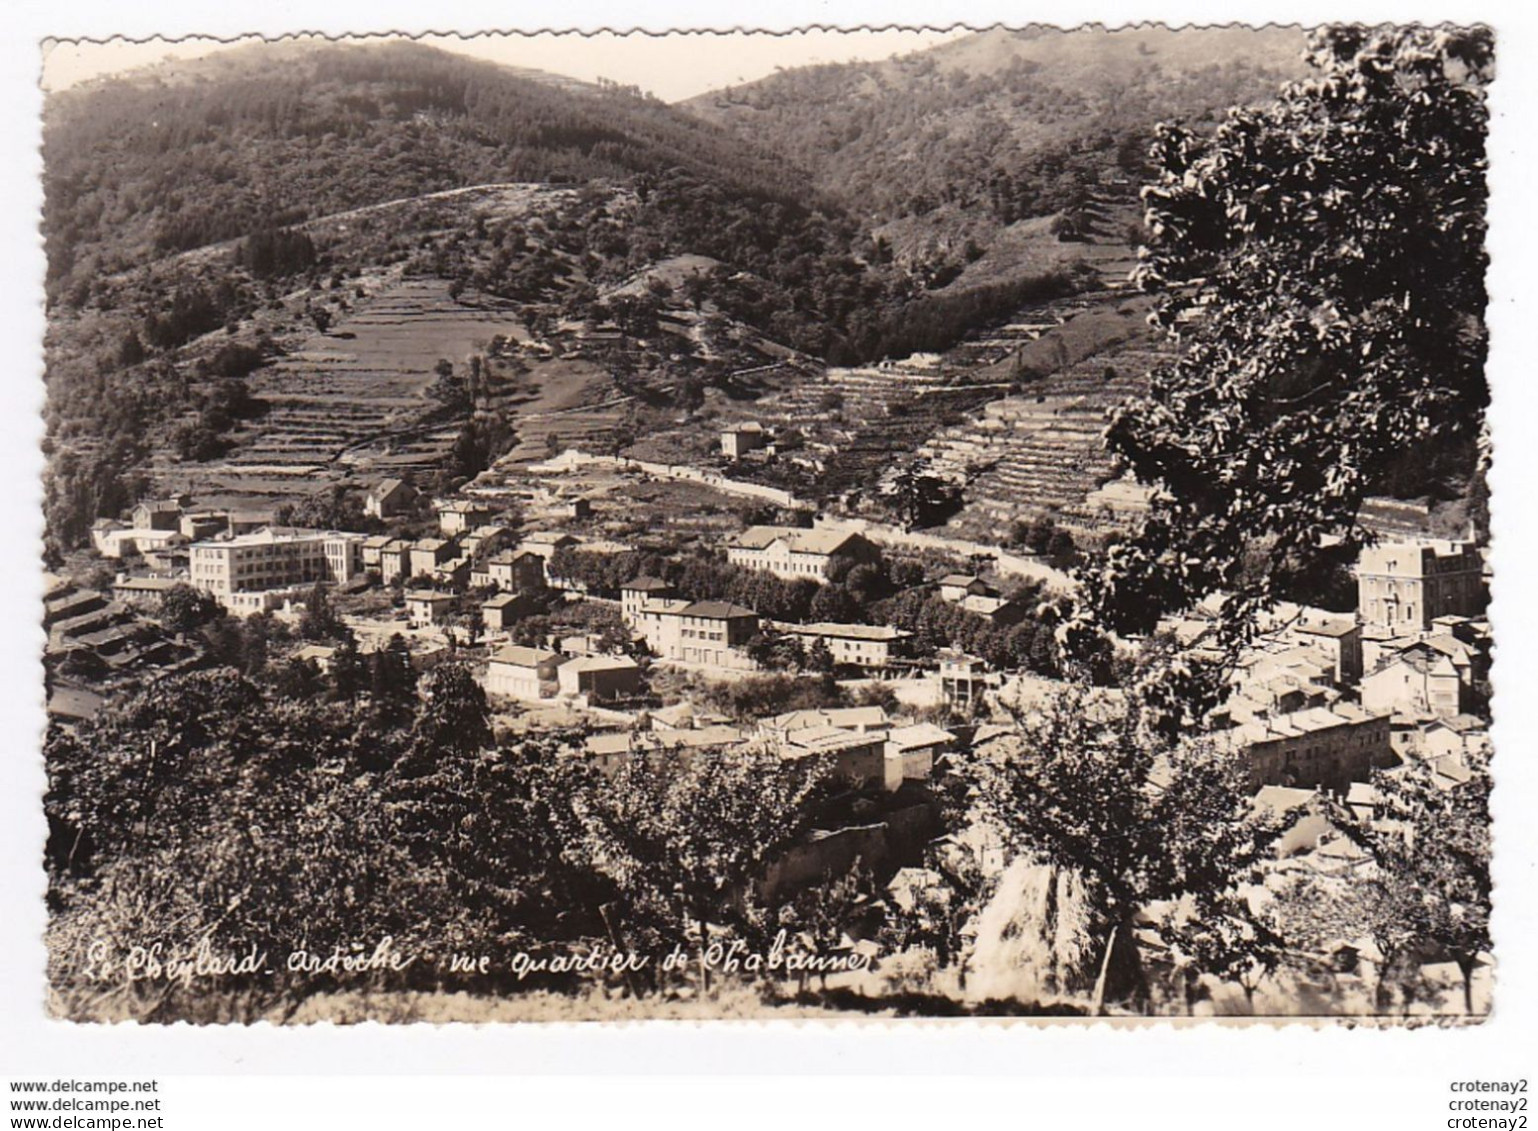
{"x":275,"y":558}
{"x":1404,"y":586}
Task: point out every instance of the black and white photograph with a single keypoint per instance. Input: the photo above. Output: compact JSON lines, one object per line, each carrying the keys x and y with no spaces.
{"x":855,"y":526}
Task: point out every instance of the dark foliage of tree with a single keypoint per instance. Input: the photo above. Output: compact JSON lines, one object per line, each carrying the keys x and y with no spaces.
{"x":185,"y":609}
{"x":1140,"y":820}
{"x":1322,"y":264}
{"x":276,"y":252}
{"x":196,"y":163}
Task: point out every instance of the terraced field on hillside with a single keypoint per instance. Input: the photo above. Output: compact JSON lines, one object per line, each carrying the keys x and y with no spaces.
{"x":351,"y":401}
{"x":1042,"y":452}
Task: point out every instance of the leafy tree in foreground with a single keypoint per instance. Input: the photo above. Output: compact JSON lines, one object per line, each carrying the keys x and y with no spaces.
{"x":1081,"y":785}
{"x":1426,"y":895}
{"x":1322,"y":263}
{"x":687,"y":838}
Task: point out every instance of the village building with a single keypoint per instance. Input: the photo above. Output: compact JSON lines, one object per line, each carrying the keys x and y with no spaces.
{"x":684,"y":716}
{"x":427,"y":554}
{"x":1454,"y":741}
{"x":1405,"y":586}
{"x":143,"y":593}
{"x":1304,"y":816}
{"x":460,"y":516}
{"x":740,"y":439}
{"x":545,"y":543}
{"x":610,"y":752}
{"x":1420,"y":681}
{"x":1000,"y":611}
{"x":240,"y":522}
{"x":584,"y":644}
{"x":957,"y":587}
{"x":858,"y":720}
{"x":793,"y":552}
{"x":516,"y":571}
{"x":199,"y":525}
{"x":453,"y":573}
{"x":963,"y":678}
{"x":578,"y":508}
{"x":518,"y":672}
{"x":1337,"y":637}
{"x":872,"y":646}
{"x":394,"y":561}
{"x":388,"y":498}
{"x":1277,"y":679}
{"x":712,"y":633}
{"x":501,"y":612}
{"x":484,"y":541}
{"x":321,"y":655}
{"x":637,"y":592}
{"x":598,"y":679}
{"x":911,"y":752}
{"x":373,"y":546}
{"x":113,"y":540}
{"x":425,"y":607}
{"x":273,"y":560}
{"x":159,"y":514}
{"x":1324,"y":747}
{"x":854,"y":757}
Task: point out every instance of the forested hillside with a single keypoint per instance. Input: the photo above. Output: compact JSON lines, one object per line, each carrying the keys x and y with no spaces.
{"x":205,"y":151}
{"x":1001,"y":126}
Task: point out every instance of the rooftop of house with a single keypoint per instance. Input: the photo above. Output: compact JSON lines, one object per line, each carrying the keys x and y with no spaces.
{"x":1460,"y":724}
{"x":983,"y":604}
{"x":1361,"y":793}
{"x":959,"y":580}
{"x":844,"y":718}
{"x":549,"y":538}
{"x":799,"y":539}
{"x":512,"y":557}
{"x":1280,"y":799}
{"x":387,"y":487}
{"x":878,"y":632}
{"x":1299,"y":723}
{"x":1420,"y":657}
{"x":665,"y":606}
{"x":434,"y":544}
{"x":715,"y":610}
{"x":144,"y":584}
{"x":692,"y":737}
{"x":826,"y":739}
{"x":646,"y":585}
{"x":919,"y":735}
{"x":1333,"y":628}
{"x":520,"y":656}
{"x":624,"y":742}
{"x":600,"y":664}
{"x":427,"y":597}
{"x":275,"y":535}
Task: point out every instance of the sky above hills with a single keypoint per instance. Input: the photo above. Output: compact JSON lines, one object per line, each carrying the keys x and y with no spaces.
{"x":673,"y":67}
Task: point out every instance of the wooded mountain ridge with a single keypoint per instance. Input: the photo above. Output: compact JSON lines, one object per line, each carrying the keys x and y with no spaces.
{"x":191,"y":154}
{"x":985,"y":131}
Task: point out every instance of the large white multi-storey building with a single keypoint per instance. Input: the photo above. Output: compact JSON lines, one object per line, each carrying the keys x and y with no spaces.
{"x":234,"y":570}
